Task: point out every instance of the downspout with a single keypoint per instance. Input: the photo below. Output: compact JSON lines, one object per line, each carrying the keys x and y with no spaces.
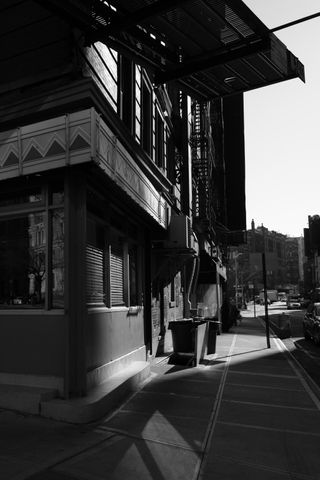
{"x":218,"y":294}
{"x":190,"y":288}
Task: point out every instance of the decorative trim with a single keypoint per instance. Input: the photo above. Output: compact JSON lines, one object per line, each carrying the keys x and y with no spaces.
{"x":76,"y":138}
{"x":120,"y":166}
{"x":46,"y":145}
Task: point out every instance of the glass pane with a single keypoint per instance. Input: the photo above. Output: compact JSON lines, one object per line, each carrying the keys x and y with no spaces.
{"x":30,"y":195}
{"x":58,"y":258}
{"x":23,"y":261}
{"x":56,"y":193}
{"x":57,"y":197}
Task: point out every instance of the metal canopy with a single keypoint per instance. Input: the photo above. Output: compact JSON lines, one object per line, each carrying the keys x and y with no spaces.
{"x":209,"y":48}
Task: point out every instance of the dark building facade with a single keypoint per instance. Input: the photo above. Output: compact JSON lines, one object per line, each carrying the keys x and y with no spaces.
{"x":122,"y":177}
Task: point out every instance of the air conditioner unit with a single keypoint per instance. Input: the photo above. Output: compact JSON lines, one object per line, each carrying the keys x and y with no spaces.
{"x":180,"y":233}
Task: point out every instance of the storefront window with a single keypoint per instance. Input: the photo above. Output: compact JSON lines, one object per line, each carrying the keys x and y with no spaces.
{"x":57,"y":228}
{"x":23,"y":261}
{"x":32,"y":247}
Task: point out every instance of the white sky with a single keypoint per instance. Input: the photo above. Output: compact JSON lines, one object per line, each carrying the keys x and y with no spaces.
{"x":282,"y":127}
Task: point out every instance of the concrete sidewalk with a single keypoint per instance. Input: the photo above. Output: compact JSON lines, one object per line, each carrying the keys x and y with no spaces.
{"x":248,"y":411}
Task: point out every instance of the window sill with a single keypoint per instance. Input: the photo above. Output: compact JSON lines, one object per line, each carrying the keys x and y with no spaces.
{"x":102,"y":308}
{"x":31,"y":311}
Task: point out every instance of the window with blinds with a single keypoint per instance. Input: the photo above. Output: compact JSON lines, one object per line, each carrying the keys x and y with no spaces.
{"x":112,"y":265}
{"x":116,"y":275}
{"x":95,"y":276}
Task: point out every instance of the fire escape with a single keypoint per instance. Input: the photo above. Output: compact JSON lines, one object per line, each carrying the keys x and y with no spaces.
{"x":202,"y":150}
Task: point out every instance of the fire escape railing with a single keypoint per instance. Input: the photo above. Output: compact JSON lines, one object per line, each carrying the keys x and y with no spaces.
{"x":202,"y":167}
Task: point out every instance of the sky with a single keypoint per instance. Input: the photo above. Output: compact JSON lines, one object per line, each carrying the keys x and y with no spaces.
{"x":282,"y":127}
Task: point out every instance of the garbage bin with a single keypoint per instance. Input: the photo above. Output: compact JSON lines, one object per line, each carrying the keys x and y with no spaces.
{"x":182,"y":335}
{"x":213,"y":329}
{"x":188,"y":340}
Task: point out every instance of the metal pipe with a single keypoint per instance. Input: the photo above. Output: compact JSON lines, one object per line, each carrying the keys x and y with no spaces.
{"x":295,"y":22}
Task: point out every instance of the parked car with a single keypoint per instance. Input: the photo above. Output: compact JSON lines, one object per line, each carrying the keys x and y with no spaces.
{"x":293,"y":302}
{"x":311,"y":323}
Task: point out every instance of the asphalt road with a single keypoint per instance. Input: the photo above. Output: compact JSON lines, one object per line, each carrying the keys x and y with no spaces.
{"x":305,"y":352}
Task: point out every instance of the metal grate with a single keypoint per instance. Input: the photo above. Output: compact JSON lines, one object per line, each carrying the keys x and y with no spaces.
{"x":197,"y":43}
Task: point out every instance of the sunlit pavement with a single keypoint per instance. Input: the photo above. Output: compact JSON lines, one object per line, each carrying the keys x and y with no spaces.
{"x":247,"y":412}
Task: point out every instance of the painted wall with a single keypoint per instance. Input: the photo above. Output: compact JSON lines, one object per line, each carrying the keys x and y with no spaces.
{"x":111,"y":334}
{"x":32,"y":343}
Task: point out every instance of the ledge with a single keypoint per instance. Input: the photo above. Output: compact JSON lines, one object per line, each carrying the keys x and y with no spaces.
{"x":101,"y":400}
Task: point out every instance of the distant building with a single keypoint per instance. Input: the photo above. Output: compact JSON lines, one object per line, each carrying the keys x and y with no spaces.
{"x":284,"y":260}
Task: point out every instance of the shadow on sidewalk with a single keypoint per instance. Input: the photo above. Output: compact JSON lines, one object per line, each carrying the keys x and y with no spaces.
{"x":162,"y":430}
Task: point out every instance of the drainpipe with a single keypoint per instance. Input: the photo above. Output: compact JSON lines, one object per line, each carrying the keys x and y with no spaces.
{"x":218,"y":294}
{"x":192,"y":282}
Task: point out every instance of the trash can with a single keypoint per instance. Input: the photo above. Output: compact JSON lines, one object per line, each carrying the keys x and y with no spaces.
{"x":213,"y":329}
{"x":182,"y":335}
{"x":188,"y":340}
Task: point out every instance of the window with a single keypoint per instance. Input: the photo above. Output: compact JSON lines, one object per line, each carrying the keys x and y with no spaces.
{"x":23,"y":196}
{"x":146,"y":118}
{"x":31,"y":251}
{"x":159,"y":141}
{"x":95,"y":264}
{"x":116,"y":275}
{"x":23,"y":261}
{"x":57,"y":258}
{"x":101,"y":63}
{"x":112,"y":267}
{"x":126,"y":100}
{"x":138,"y":103}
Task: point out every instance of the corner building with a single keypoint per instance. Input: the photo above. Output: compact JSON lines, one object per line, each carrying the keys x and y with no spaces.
{"x":121,"y":173}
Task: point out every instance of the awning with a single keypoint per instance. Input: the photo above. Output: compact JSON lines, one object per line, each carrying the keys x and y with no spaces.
{"x":209,"y":48}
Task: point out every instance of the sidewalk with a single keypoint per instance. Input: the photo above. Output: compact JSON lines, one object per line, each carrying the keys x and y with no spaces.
{"x":248,"y":412}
